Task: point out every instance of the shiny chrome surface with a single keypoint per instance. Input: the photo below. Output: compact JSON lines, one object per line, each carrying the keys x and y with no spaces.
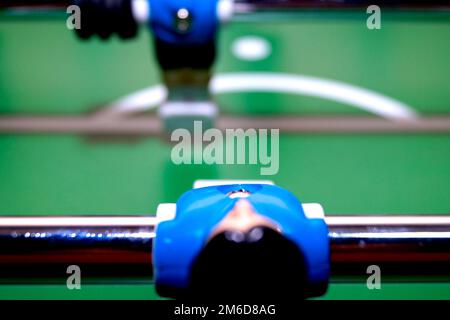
{"x":78,"y":221}
{"x":107,"y":249}
{"x":248,"y":5}
{"x":405,"y":248}
{"x":21,"y":8}
{"x":119,"y":249}
{"x":273,"y":4}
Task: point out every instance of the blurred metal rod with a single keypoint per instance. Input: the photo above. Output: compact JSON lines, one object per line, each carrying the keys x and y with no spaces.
{"x":35,"y":3}
{"x":254,"y":5}
{"x":261,"y":4}
{"x":151,"y":125}
{"x":119,"y":249}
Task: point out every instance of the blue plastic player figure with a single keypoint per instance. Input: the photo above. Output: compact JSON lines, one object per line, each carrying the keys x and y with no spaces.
{"x":185,"y":45}
{"x":184,"y":34}
{"x":249,"y":241}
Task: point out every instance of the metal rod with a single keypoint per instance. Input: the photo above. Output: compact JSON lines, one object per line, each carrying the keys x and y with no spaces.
{"x":261,"y":4}
{"x":119,"y":249}
{"x":246,"y":7}
{"x":107,"y":249}
{"x":21,"y":8}
{"x":152,"y":126}
{"x":405,"y":248}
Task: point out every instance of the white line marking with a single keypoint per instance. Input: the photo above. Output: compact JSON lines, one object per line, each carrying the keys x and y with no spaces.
{"x":275,"y":82}
{"x":317,"y":87}
{"x":142,"y":100}
{"x":251,"y":48}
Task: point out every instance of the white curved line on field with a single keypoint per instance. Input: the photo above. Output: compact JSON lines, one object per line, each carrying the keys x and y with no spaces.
{"x":351,"y":95}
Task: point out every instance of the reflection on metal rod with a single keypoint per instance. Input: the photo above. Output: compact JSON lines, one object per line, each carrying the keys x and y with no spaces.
{"x":405,"y":248}
{"x":257,"y":4}
{"x":250,"y":5}
{"x":107,"y":249}
{"x":119,"y":249}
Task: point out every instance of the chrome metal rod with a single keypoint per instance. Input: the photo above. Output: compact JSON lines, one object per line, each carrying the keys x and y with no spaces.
{"x":119,"y":249}
{"x":243,"y":7}
{"x":405,"y":248}
{"x":266,"y":4}
{"x":107,"y":249}
{"x":23,"y":8}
